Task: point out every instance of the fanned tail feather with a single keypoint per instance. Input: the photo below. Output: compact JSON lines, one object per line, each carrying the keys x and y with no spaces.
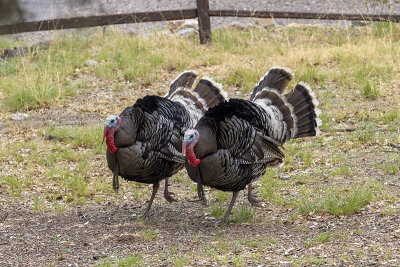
{"x":305,"y":105}
{"x":275,"y":98}
{"x":187,"y":97}
{"x":185,"y":79}
{"x":211,"y":92}
{"x":277,"y":78}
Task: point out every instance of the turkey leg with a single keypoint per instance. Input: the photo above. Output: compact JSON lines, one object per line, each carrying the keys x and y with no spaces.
{"x":155,"y":189}
{"x":252,"y":197}
{"x":168,"y":195}
{"x":234,"y":196}
{"x":200,"y":191}
{"x":116,"y":178}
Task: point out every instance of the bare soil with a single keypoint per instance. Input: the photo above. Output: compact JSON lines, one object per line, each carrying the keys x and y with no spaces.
{"x":88,"y":235}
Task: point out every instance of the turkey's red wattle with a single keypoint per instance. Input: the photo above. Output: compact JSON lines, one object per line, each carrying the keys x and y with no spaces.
{"x":110,"y":144}
{"x":108,"y":134}
{"x":191,"y":156}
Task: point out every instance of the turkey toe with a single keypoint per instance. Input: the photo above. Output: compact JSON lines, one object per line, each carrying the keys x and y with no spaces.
{"x":169,"y":197}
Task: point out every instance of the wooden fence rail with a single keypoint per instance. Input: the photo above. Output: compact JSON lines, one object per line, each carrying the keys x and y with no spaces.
{"x":202,"y":12}
{"x":92,"y":21}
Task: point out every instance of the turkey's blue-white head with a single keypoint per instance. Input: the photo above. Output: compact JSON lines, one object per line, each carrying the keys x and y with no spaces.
{"x":190,"y":139}
{"x":110,"y":126}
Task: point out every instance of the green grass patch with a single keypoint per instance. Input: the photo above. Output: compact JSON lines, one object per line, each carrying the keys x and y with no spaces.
{"x":149,"y":234}
{"x":321,"y":238}
{"x":244,"y":214}
{"x":243,"y":79}
{"x":337,"y":201}
{"x":181,"y":261}
{"x":133,"y":260}
{"x":217,"y":209}
{"x":369,"y":91}
{"x":390,"y":116}
{"x":14,"y":184}
{"x":82,"y":136}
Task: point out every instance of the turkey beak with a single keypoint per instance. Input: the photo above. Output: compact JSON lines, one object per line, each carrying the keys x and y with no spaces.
{"x":106,"y":129}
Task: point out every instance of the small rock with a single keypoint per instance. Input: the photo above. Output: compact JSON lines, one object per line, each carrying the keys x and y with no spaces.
{"x":186,"y":32}
{"x":173,"y":26}
{"x":19,"y":116}
{"x":289,"y":251}
{"x":189,"y":23}
{"x":238,"y":25}
{"x":358,"y":23}
{"x":90,"y":63}
{"x":176,"y":26}
{"x":294,"y":25}
{"x":266,"y":22}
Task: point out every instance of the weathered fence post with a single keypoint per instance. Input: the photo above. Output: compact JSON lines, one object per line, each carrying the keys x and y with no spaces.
{"x":204,"y":21}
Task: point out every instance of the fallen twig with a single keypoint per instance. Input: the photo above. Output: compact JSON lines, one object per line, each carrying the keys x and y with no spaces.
{"x":339,"y":130}
{"x":55,"y":137}
{"x":395,"y":145}
{"x":3,"y":216}
{"x":391,"y":151}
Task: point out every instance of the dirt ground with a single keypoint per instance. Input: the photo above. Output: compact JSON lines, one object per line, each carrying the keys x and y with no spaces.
{"x":88,"y":235}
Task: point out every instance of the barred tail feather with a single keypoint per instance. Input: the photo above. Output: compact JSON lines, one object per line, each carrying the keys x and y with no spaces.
{"x":187,"y":97}
{"x":211,"y":92}
{"x":185,"y":79}
{"x":277,"y":78}
{"x":305,"y":105}
{"x":275,"y":98}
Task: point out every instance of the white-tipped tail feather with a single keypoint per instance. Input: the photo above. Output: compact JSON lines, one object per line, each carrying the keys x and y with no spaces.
{"x":277,"y":78}
{"x":210,"y":91}
{"x":306,"y":109}
{"x":268,"y":98}
{"x":185,"y":79}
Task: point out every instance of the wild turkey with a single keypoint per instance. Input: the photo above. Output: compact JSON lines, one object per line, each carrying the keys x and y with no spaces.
{"x":144,"y":142}
{"x":234,"y":143}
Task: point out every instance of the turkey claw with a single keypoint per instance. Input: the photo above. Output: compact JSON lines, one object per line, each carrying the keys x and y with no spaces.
{"x":144,"y":216}
{"x":221,"y":222}
{"x":255,"y":202}
{"x":169,"y":197}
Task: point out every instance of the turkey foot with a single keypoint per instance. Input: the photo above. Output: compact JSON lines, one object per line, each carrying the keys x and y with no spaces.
{"x":252,"y":197}
{"x":168,"y":195}
{"x":225,"y":218}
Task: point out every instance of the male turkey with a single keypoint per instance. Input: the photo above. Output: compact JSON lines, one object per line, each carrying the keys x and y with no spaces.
{"x":145,"y":140}
{"x":234,"y":143}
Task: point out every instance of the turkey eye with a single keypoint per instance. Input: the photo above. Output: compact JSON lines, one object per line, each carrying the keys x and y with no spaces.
{"x":191,"y":136}
{"x":112,"y":121}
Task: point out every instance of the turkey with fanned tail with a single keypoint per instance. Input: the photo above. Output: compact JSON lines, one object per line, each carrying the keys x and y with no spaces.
{"x":144,"y":142}
{"x":234,"y":143}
